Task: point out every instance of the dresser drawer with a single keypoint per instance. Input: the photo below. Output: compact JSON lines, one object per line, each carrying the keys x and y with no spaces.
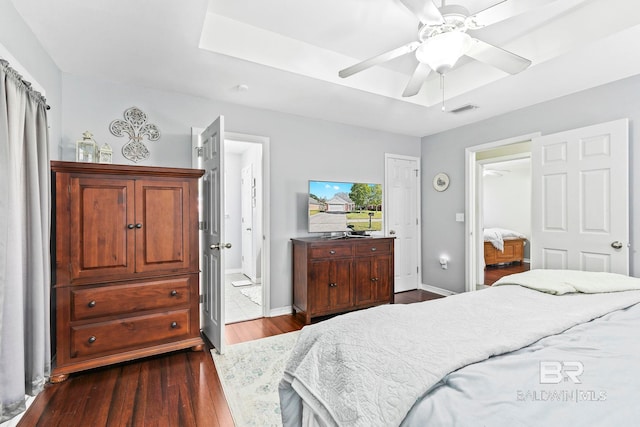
{"x":330,"y":251}
{"x":109,"y":300}
{"x":371,"y":247}
{"x":131,"y":332}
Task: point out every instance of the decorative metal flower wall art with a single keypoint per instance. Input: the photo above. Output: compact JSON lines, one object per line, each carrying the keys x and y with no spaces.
{"x":135,"y":125}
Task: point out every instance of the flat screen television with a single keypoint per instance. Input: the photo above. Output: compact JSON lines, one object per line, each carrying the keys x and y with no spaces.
{"x":350,"y":207}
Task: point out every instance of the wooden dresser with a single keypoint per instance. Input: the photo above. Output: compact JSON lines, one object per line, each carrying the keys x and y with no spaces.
{"x":335,"y":276}
{"x":513,"y":251}
{"x":125,"y":247}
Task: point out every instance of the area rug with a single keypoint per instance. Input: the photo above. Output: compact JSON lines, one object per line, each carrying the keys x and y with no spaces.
{"x":254,"y":294}
{"x":238,"y":283}
{"x":250,"y":373}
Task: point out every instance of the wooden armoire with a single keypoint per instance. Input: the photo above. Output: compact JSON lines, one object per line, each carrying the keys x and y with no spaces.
{"x":125,"y":274}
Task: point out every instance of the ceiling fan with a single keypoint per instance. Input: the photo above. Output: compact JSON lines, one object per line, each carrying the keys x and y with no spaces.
{"x":443,"y":39}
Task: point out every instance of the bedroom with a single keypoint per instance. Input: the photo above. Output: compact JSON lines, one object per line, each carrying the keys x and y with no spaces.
{"x":91,"y":102}
{"x":507,"y":225}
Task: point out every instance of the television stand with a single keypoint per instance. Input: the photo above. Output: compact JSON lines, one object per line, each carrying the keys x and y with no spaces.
{"x":336,"y":276}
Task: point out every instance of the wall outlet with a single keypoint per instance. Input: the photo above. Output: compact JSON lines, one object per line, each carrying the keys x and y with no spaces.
{"x":460,"y":217}
{"x":444,"y":263}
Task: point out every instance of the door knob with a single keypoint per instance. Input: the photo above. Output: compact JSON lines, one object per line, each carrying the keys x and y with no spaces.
{"x":616,"y":245}
{"x":220,"y":246}
{"x":392,"y":232}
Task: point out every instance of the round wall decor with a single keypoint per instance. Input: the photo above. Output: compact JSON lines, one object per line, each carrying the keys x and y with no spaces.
{"x":441,"y":181}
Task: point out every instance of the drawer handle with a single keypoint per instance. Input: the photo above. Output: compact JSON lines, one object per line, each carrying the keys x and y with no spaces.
{"x":91,"y":339}
{"x":130,"y":226}
{"x":138,"y":225}
{"x":333,"y":285}
{"x":174,"y":293}
{"x":373,"y":249}
{"x":332,"y":252}
{"x":374,"y":279}
{"x":174,"y":325}
{"x":92,"y":304}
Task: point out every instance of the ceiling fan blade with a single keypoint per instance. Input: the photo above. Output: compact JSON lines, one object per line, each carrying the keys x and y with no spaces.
{"x":425,"y":10}
{"x":503,"y":10}
{"x":383,"y":57}
{"x":504,"y":60}
{"x":417,"y":80}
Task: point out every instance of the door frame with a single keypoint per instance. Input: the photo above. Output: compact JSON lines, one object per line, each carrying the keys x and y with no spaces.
{"x":266,"y":190}
{"x":418,"y":199}
{"x":473,"y":226}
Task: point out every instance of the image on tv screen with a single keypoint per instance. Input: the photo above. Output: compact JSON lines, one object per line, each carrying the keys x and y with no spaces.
{"x":344,"y":206}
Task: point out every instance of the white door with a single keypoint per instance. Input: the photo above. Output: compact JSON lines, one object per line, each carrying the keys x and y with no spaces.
{"x":212,"y":234}
{"x":402,"y":218}
{"x":580,"y":195}
{"x":247,"y":192}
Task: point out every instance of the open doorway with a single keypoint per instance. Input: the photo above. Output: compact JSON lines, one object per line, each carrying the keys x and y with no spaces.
{"x":244,"y":291}
{"x":483,"y":161}
{"x":505,"y":203}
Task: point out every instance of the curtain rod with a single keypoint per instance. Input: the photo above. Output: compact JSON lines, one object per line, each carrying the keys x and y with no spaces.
{"x":11,"y":71}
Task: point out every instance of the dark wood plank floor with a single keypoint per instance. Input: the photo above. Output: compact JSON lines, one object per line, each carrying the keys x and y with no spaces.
{"x":176,"y":389}
{"x":494,"y":272}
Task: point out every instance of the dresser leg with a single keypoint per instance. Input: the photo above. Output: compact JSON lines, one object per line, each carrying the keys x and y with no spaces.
{"x":55,"y":379}
{"x":198,"y":347}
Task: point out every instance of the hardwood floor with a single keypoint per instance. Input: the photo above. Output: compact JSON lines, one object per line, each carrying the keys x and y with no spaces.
{"x":493,"y":273}
{"x":175,"y":389}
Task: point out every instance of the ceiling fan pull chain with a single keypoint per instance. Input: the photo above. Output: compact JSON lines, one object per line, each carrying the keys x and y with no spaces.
{"x":442,"y":90}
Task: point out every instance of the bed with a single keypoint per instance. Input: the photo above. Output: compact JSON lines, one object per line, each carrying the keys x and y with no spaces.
{"x":538,"y":348}
{"x":502,"y":245}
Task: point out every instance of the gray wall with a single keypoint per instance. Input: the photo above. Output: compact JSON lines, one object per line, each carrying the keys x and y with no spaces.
{"x":446,"y":152}
{"x":16,"y":37}
{"x":301,"y":149}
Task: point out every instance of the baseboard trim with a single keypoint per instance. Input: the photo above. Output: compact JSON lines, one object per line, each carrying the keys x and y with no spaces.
{"x":527,"y":260}
{"x":233,"y":271}
{"x":280,"y":311}
{"x":436,"y":290}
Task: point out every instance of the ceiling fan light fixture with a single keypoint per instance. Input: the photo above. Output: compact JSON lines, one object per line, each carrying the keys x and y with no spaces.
{"x":442,"y":51}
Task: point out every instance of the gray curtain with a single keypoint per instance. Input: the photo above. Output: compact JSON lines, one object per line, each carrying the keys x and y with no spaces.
{"x":24,"y":243}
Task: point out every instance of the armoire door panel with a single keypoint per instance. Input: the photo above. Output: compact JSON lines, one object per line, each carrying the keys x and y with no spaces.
{"x":99,"y":230}
{"x":162,"y":221}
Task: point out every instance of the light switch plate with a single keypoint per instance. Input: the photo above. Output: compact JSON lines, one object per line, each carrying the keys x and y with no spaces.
{"x":460,"y":217}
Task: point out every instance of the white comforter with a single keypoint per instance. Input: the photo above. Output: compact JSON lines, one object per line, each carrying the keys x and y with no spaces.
{"x":368,"y":368}
{"x":496,"y":236}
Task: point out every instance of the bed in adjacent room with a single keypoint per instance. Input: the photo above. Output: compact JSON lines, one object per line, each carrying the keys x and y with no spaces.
{"x":543,"y":347}
{"x":502,"y":245}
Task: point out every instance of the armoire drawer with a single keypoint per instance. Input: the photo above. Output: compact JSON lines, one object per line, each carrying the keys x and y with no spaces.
{"x":131,"y":332}
{"x":110,"y":300}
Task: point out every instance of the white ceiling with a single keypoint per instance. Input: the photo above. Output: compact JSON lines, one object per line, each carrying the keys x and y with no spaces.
{"x":288,"y":53}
